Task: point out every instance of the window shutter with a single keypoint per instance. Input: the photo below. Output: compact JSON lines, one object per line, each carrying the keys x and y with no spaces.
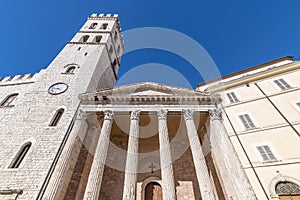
{"x":286,"y":85}
{"x":279,"y":84}
{"x":247,"y":122}
{"x":234,"y":97}
{"x":250,"y":122}
{"x":270,"y":153}
{"x":266,"y":153}
{"x":244,"y":121}
{"x":282,"y":84}
{"x":262,"y":153}
{"x":230,"y":98}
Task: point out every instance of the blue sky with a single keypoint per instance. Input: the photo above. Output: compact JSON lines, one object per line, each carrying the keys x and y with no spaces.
{"x":236,"y":34}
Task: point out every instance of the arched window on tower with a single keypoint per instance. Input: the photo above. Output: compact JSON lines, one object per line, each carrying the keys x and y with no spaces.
{"x":111,"y":50}
{"x":20,"y":155}
{"x":118,"y":50}
{"x":70,"y":70}
{"x":98,"y":38}
{"x":8,"y":101}
{"x":84,"y":38}
{"x":56,"y":118}
{"x":116,"y":36}
{"x":104,"y":26}
{"x":115,"y":64}
{"x":93,"y":26}
{"x":287,"y":190}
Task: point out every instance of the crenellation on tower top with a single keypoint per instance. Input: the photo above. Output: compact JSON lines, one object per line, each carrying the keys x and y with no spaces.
{"x":107,"y":16}
{"x":17,"y":79}
{"x":6,"y":78}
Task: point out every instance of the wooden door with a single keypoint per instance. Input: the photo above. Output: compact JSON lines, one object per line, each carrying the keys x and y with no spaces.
{"x":289,"y":197}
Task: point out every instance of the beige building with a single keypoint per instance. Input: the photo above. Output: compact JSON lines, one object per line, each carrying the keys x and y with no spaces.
{"x":67,"y":133}
{"x":262,"y":117}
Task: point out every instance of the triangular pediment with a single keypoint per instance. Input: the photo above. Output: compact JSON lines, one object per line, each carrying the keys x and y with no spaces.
{"x":147,"y":92}
{"x":149,"y":88}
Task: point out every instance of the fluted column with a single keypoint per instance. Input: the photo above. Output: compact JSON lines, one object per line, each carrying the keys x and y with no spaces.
{"x":236,"y":183}
{"x":131,"y":168}
{"x":60,"y":176}
{"x":96,"y":173}
{"x":168,"y":186}
{"x":204,"y":181}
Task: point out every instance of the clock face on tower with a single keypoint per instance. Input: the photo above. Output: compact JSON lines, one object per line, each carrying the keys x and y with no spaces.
{"x":58,"y":88}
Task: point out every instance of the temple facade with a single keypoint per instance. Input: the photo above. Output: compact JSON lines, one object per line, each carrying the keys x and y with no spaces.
{"x":68,"y":133}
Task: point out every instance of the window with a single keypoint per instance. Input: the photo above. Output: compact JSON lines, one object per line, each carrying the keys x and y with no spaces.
{"x":266,"y":153}
{"x":116,"y":36}
{"x":20,"y":155}
{"x":111,"y":49}
{"x":70,"y":70}
{"x":98,"y":39}
{"x":56,"y":117}
{"x":287,"y":189}
{"x":8,"y":101}
{"x":84,"y":38}
{"x":93,"y":25}
{"x":232,"y":97}
{"x":115,"y":64}
{"x":104,"y":26}
{"x":118,"y":50}
{"x":247,"y":122}
{"x":282,"y":84}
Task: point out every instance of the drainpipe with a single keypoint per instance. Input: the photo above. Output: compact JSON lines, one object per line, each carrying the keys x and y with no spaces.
{"x":282,"y":115}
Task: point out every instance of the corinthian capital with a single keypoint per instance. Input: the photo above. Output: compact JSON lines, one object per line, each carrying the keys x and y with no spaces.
{"x":81,"y":115}
{"x":215,"y":114}
{"x":162,"y":114}
{"x":188,"y":114}
{"x":108,"y":115}
{"x":135,"y":115}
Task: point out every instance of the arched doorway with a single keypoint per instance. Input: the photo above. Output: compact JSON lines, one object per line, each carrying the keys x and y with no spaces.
{"x":153,"y":191}
{"x":288,"y":191}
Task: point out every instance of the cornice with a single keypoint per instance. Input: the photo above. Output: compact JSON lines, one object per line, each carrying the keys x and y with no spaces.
{"x":89,"y":43}
{"x":150,"y":100}
{"x":286,"y":58}
{"x":254,"y":77}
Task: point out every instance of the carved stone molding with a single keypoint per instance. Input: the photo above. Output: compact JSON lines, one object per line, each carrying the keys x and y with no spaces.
{"x":281,"y":178}
{"x":162,"y":114}
{"x":135,"y":115}
{"x":215,"y":114}
{"x":108,"y":115}
{"x":188,"y":114}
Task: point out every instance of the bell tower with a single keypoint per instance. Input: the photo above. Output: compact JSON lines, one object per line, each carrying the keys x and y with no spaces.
{"x":38,"y":112}
{"x":98,"y":45}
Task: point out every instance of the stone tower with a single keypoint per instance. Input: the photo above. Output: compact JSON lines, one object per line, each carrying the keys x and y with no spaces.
{"x":37,"y":113}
